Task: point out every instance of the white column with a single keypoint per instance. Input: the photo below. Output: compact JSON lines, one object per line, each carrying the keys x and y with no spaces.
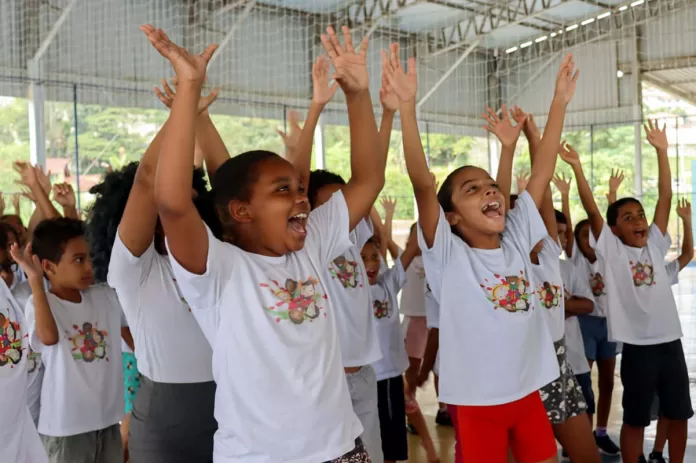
{"x":37,"y":126}
{"x":637,"y":116}
{"x":319,"y":148}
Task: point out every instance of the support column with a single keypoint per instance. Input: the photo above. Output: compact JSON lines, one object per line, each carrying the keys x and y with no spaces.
{"x":37,"y":124}
{"x":319,"y":146}
{"x":637,"y":115}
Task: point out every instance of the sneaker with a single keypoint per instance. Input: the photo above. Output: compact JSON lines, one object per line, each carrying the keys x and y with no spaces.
{"x":564,"y":455}
{"x":642,"y":459}
{"x":606,"y":445}
{"x":443,"y":418}
{"x":657,"y":458}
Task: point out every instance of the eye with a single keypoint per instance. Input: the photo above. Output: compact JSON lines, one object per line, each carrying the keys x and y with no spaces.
{"x":283,"y":188}
{"x":301,"y":188}
{"x":495,"y":185}
{"x":472,"y":188}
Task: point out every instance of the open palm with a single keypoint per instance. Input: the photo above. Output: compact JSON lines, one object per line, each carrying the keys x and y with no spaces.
{"x":502,"y":127}
{"x":657,"y":136}
{"x":322,"y":92}
{"x":404,"y":83}
{"x":350,"y":66}
{"x":569,"y":155}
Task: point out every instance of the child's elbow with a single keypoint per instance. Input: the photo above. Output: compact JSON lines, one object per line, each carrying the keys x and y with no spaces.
{"x":169,"y":205}
{"x":48,"y":339}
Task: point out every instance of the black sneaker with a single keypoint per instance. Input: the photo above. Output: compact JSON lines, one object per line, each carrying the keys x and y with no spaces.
{"x":657,"y":458}
{"x":642,"y":459}
{"x":443,"y":418}
{"x":607,"y":446}
{"x":564,"y":454}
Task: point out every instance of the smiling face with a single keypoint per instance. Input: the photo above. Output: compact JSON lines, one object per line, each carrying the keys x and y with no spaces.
{"x":370,"y":257}
{"x":631,"y":224}
{"x":477,"y":205}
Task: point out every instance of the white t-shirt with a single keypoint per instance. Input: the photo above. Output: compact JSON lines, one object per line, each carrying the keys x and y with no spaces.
{"x":411,"y":299}
{"x":171,"y":347}
{"x":575,"y":284}
{"x":594,"y":272}
{"x":281,"y":393}
{"x":432,"y":320}
{"x":82,"y":389}
{"x":548,"y":288}
{"x":346,"y":283}
{"x":35,"y":370}
{"x":672,"y":269}
{"x":642,"y":309}
{"x":19,"y":441}
{"x":394,"y":360}
{"x":495,"y":347}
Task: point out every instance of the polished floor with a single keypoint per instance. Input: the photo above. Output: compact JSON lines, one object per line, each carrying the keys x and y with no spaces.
{"x":685,"y":293}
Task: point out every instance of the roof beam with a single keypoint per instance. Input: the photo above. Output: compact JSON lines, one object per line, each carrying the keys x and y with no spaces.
{"x":665,"y":64}
{"x":669,"y":89}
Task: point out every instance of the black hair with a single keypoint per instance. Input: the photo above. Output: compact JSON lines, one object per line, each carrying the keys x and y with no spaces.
{"x":235,"y":177}
{"x":319,"y":179}
{"x":444,"y":195}
{"x":105,"y":214}
{"x":578,"y":228}
{"x":4,"y":240}
{"x":513,"y":200}
{"x":6,"y":229}
{"x":560,"y":217}
{"x":613,"y":209}
{"x":52,"y":235}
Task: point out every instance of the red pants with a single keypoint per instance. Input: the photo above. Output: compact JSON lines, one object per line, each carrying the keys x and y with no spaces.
{"x":484,"y":433}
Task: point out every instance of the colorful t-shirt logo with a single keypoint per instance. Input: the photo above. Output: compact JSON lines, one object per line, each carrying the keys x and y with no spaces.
{"x":381,"y":309}
{"x":89,"y":343}
{"x":299,"y":300}
{"x":549,"y":295}
{"x":510,"y":293}
{"x":345,"y":271}
{"x":10,"y":342}
{"x":597,"y":284}
{"x":643,"y":274}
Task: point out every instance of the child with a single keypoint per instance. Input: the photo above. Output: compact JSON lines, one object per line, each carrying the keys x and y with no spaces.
{"x":75,"y":327}
{"x":261,"y":300}
{"x":495,"y":394}
{"x":20,"y":441}
{"x":642,"y":312}
{"x":173,"y":412}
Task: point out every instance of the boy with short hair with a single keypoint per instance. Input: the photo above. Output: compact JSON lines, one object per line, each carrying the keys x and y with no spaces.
{"x":76,"y":328}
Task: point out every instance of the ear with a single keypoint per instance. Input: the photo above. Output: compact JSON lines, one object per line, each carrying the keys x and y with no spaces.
{"x":453,"y":218}
{"x":240,"y":211}
{"x":49,"y":268}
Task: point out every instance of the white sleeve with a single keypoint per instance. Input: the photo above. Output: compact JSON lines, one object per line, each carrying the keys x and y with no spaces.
{"x":660,"y":240}
{"x":608,"y":246}
{"x":362,"y":232}
{"x":436,"y":258}
{"x":672,"y":269}
{"x":432,"y":309}
{"x":524,"y":225}
{"x":579,"y":284}
{"x":127,"y":271}
{"x":328,"y":234}
{"x":395,"y":277}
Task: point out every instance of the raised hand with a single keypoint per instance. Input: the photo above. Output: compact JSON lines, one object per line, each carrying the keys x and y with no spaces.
{"x":562,"y":184}
{"x":167,"y":96}
{"x":684,"y":209}
{"x":291,"y":139}
{"x":188,"y":67}
{"x":322,"y":92}
{"x":566,"y":80}
{"x":64,"y":194}
{"x":531,"y":128}
{"x":350,"y":67}
{"x":656,"y":137}
{"x":387,"y":95}
{"x":568,"y":154}
{"x":522,"y":180}
{"x":503,"y":128}
{"x":404,"y":83}
{"x":26,"y":259}
{"x":389,"y":205}
{"x":436,"y":184}
{"x":617,"y":177}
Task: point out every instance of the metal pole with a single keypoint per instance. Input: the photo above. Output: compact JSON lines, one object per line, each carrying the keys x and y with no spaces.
{"x":448,"y":72}
{"x":592,"y":156}
{"x":77,"y":148}
{"x":676,"y":127}
{"x":223,"y":43}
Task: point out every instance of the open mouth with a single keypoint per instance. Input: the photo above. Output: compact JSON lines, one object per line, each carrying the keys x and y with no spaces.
{"x":640,"y":233}
{"x":372,"y":274}
{"x":492,"y":209}
{"x":298,"y":223}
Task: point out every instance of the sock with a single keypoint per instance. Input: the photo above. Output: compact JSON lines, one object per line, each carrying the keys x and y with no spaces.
{"x":655,"y":454}
{"x":600,"y":431}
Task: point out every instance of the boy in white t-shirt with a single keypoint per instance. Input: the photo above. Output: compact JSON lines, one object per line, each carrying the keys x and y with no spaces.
{"x":76,"y":327}
{"x":482,"y":283}
{"x":642,"y":312}
{"x":261,"y":298}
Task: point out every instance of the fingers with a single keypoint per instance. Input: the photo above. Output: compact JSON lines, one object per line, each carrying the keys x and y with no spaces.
{"x":167,"y":89}
{"x":348,"y":39}
{"x":165,"y":101}
{"x":328,"y":46}
{"x":209,"y":52}
{"x":335,"y":43}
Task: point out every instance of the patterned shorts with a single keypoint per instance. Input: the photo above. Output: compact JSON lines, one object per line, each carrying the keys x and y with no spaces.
{"x":563,"y":397}
{"x":357,"y":455}
{"x":131,"y":380}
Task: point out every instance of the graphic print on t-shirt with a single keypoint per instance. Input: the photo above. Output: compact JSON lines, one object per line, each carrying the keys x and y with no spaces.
{"x":381,"y":309}
{"x":301,"y":300}
{"x":34,"y":359}
{"x":510,"y":293}
{"x":549,"y":295}
{"x":10,"y":342}
{"x":597,"y":284}
{"x":643,"y":274}
{"x":345,"y":271}
{"x":89,"y":343}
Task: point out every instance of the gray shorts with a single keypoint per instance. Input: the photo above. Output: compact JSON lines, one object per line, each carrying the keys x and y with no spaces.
{"x":363,"y":393}
{"x":103,"y":446}
{"x":563,"y":397}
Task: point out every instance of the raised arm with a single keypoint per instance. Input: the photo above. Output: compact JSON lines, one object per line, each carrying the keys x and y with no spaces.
{"x":367,"y":160}
{"x":658,"y":139}
{"x":687,"y":252}
{"x":64,"y":195}
{"x":570,"y":156}
{"x":405,"y":85}
{"x":389,"y":206}
{"x":378,"y":228}
{"x":390,"y":103}
{"x":542,"y":173}
{"x":508,"y":136}
{"x":46,"y":328}
{"x":548,"y":214}
{"x":186,"y":233}
{"x":617,"y":177}
{"x":412,"y":250}
{"x":563,"y":186}
{"x":35,"y":180}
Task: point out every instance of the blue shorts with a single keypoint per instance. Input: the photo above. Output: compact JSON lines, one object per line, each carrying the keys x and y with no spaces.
{"x":595,"y":336}
{"x":585,"y":382}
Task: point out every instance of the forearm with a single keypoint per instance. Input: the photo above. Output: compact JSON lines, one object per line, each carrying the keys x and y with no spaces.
{"x":430,"y":355}
{"x":416,"y":164}
{"x":48,"y":210}
{"x":586,"y":195}
{"x":687,"y":252}
{"x":545,"y":161}
{"x":611,"y":197}
{"x":664,"y":182}
{"x":504,"y":176}
{"x":578,"y":306}
{"x":393,"y":249}
{"x":407,"y":256}
{"x":34,"y":220}
{"x":548,"y":215}
{"x":211,"y":144}
{"x":385,"y":130}
{"x":71,"y":212}
{"x":379,"y":231}
{"x":46,"y":327}
{"x":301,"y":156}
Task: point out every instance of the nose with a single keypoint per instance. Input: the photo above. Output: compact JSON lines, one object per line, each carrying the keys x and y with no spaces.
{"x":301,"y":198}
{"x":490,"y":191}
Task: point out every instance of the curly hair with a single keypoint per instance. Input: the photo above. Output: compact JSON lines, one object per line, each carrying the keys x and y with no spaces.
{"x":104,"y":216}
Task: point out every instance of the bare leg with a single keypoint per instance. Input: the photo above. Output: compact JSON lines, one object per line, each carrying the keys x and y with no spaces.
{"x":661,"y":435}
{"x":677,"y":431}
{"x":606,"y":368}
{"x":125,"y":424}
{"x":575,"y":436}
{"x":418,"y":421}
{"x":631,"y":442}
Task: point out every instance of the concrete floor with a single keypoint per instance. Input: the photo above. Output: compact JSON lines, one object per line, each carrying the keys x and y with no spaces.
{"x":685,"y":293}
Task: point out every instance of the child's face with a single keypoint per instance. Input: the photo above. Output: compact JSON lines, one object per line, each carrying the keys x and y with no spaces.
{"x":370,"y":257}
{"x":631,"y":225}
{"x":562,"y":237}
{"x":7,"y":267}
{"x":479,"y":206}
{"x":276,"y":215}
{"x":584,"y":242}
{"x":324,"y":193}
{"x":74,"y":270}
